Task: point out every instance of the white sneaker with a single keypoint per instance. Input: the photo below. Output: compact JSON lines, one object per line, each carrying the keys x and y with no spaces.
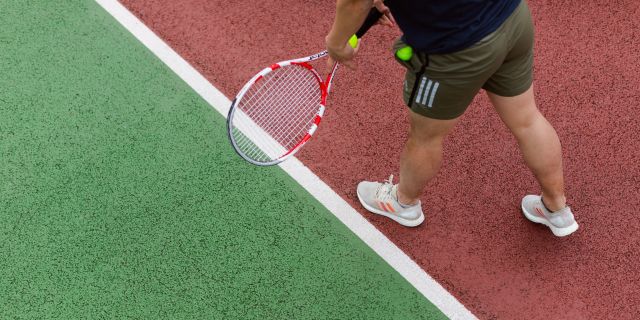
{"x":561,"y":222}
{"x":382,"y":199}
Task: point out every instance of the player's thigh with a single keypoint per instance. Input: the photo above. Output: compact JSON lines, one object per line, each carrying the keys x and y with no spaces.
{"x":516,"y":112}
{"x":510,"y":88}
{"x":515,"y":74}
{"x":429,"y":129}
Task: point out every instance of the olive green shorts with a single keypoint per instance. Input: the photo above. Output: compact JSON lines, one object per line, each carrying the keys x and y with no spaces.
{"x":441,"y":86}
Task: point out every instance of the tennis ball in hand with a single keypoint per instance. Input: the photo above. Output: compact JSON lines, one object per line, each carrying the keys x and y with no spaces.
{"x":404,"y":53}
{"x":353,"y":41}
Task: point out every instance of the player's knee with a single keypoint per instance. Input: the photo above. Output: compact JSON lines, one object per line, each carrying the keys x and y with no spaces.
{"x":534,"y":125}
{"x":429,"y":130}
{"x":523,"y":120}
{"x":426,"y":136}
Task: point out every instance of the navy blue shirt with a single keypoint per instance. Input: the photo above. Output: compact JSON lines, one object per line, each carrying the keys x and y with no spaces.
{"x":444,"y":26}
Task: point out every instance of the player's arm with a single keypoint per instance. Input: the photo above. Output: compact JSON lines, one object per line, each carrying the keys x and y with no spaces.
{"x":350,"y":14}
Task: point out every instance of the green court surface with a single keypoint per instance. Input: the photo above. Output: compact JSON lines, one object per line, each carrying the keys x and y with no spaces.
{"x":120,"y":196}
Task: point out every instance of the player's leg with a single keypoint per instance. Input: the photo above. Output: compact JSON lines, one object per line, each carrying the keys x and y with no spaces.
{"x":510,"y":89}
{"x":422,"y":155}
{"x":542,"y":153}
{"x":538,"y":143}
{"x":438,"y":89}
{"x":419,"y":163}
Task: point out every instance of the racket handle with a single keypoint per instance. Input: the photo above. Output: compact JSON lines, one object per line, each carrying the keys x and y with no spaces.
{"x":372,"y":18}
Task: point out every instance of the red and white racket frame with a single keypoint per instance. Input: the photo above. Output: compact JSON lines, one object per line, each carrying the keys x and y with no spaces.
{"x":325,"y":88}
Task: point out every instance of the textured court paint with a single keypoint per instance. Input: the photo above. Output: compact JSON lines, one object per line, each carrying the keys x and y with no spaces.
{"x":120,"y":197}
{"x":398,"y":260}
{"x":475,"y":241}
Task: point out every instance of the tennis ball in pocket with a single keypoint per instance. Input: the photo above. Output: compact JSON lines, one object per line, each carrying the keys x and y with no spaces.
{"x":404,"y":53}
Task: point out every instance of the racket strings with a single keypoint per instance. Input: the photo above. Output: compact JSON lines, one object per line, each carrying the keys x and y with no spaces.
{"x":281,"y":98}
{"x":268,"y":120}
{"x":291,"y":130}
{"x":298,"y":124}
{"x":278,"y":100}
{"x":275,"y":113}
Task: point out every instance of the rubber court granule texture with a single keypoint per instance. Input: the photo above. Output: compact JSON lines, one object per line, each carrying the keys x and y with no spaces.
{"x":475,"y":240}
{"x":121,"y":198}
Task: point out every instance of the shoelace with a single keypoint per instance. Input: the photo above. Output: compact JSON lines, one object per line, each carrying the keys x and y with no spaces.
{"x":383,"y":193}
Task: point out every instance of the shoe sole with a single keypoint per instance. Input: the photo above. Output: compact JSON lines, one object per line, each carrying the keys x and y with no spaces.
{"x":558,"y":232}
{"x":398,"y":219}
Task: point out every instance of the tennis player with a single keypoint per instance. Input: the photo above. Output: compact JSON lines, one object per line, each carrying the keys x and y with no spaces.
{"x":451,"y":50}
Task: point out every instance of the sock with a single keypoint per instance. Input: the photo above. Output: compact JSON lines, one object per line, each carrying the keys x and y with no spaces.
{"x":544,"y":205}
{"x":405,"y":206}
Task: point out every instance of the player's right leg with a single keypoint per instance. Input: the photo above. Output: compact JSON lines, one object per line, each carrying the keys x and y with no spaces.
{"x":510,"y":89}
{"x":538,"y":142}
{"x":541,"y":150}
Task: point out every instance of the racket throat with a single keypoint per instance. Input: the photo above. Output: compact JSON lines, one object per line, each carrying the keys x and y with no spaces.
{"x":329,"y":79}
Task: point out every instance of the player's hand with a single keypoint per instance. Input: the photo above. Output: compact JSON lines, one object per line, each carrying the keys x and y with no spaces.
{"x":342,"y":53}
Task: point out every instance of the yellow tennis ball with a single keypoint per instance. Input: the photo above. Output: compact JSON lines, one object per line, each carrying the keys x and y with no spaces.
{"x":404,"y":53}
{"x":353,"y":41}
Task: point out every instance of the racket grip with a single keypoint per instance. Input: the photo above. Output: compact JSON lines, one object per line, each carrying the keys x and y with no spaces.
{"x":372,"y":18}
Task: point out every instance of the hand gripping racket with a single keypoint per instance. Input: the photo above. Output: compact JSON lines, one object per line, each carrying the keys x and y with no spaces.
{"x":278,"y":110}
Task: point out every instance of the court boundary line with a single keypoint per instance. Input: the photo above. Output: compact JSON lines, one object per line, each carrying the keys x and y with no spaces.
{"x":351,"y":218}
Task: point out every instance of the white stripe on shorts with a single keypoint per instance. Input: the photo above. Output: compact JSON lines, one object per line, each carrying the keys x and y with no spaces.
{"x":423,"y":101}
{"x":433,"y":94}
{"x":420,"y":90}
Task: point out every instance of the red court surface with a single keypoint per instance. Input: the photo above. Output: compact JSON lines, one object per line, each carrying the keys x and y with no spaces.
{"x":475,"y":241}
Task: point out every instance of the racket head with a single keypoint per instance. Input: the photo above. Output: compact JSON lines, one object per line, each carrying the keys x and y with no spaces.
{"x":276,"y":112}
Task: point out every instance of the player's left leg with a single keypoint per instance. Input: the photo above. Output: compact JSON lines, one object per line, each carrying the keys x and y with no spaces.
{"x":422,"y":155}
{"x":419,"y":163}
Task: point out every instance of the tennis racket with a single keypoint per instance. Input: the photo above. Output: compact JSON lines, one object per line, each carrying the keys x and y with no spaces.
{"x":279,"y":109}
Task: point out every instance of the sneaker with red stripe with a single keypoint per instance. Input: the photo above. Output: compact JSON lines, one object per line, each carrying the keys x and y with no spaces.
{"x":561,"y":222}
{"x":381,"y":198}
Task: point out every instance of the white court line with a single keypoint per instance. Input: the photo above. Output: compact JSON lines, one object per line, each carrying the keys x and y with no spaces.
{"x":395,"y":257}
